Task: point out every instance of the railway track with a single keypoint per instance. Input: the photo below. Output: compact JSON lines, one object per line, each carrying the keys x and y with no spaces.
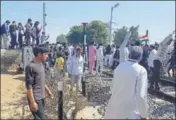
{"x":168,"y":96}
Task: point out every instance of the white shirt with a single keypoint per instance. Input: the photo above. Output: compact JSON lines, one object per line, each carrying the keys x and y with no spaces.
{"x":70,"y":48}
{"x":124,"y":54}
{"x":68,"y":64}
{"x":58,"y":45}
{"x":113,"y":50}
{"x":129,"y":92}
{"x":152,"y":57}
{"x":99,"y":53}
{"x":76,"y":65}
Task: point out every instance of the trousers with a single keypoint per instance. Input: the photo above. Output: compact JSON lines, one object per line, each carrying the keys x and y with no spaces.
{"x":13,"y":40}
{"x":156,"y":74}
{"x":91,"y":66}
{"x":20,"y":40}
{"x":39,"y":114}
{"x":106,"y":62}
{"x":76,"y":79}
{"x":99,"y":65}
{"x":4,"y":41}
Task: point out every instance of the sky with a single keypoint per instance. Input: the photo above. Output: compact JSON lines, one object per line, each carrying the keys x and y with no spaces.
{"x":156,"y":16}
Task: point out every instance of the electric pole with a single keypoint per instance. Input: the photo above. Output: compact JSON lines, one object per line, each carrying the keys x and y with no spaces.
{"x":110,"y":22}
{"x":44,"y":17}
{"x":110,"y":26}
{"x":84,"y":51}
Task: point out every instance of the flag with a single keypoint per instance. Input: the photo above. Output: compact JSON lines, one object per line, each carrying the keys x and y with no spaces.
{"x":144,"y":37}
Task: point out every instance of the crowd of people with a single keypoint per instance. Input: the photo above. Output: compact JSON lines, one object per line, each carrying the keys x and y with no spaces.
{"x":16,"y":36}
{"x":131,"y":64}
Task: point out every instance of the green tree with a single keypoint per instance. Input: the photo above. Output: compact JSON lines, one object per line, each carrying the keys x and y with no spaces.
{"x":61,"y":38}
{"x":97,"y":31}
{"x":134,"y":34}
{"x":121,"y":33}
{"x":75,"y":35}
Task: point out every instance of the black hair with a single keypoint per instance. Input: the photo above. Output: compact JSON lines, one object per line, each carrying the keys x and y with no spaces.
{"x":7,"y":21}
{"x":19,"y":23}
{"x":60,"y":48}
{"x":36,"y":23}
{"x":29,"y":20}
{"x":99,"y":45}
{"x":13,"y":22}
{"x":60,"y":54}
{"x":117,"y":47}
{"x":39,"y":49}
{"x":78,"y":49}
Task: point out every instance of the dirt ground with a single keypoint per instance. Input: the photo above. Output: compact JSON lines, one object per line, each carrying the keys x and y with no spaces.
{"x":13,"y":97}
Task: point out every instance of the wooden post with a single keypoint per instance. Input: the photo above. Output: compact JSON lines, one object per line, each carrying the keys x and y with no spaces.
{"x":60,"y":100}
{"x":83,"y":78}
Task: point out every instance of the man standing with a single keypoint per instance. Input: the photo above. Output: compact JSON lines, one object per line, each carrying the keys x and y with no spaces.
{"x":172,"y":64}
{"x":35,"y":83}
{"x":129,"y":89}
{"x":28,"y":32}
{"x":99,"y":59}
{"x":159,"y":60}
{"x":20,"y":35}
{"x":152,"y":57}
{"x":107,"y":54}
{"x":116,"y":58}
{"x":44,"y":37}
{"x":76,"y":69}
{"x":145,"y":56}
{"x":92,"y":57}
{"x":4,"y":35}
{"x":113,"y":50}
{"x":13,"y":34}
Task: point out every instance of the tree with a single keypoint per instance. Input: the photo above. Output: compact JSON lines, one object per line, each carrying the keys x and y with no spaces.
{"x":121,"y":33}
{"x":75,"y":35}
{"x":97,"y":31}
{"x":61,"y":38}
{"x":134,"y":34}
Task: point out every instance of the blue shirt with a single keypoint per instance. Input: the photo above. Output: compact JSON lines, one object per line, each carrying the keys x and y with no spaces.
{"x":4,"y":29}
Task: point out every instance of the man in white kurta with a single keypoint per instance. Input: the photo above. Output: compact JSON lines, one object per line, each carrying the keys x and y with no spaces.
{"x":111,"y":56}
{"x":129,"y":89}
{"x":99,"y":58}
{"x":152,"y":57}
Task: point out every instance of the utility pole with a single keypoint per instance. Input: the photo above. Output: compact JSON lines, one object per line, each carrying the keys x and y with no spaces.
{"x":84,"y":51}
{"x":110,"y":23}
{"x":44,"y":17}
{"x":110,"y":26}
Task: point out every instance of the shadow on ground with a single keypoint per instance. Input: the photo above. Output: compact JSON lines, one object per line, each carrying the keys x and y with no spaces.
{"x":21,"y":78}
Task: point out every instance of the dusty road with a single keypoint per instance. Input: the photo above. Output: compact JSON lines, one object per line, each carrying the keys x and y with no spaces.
{"x":13,"y":97}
